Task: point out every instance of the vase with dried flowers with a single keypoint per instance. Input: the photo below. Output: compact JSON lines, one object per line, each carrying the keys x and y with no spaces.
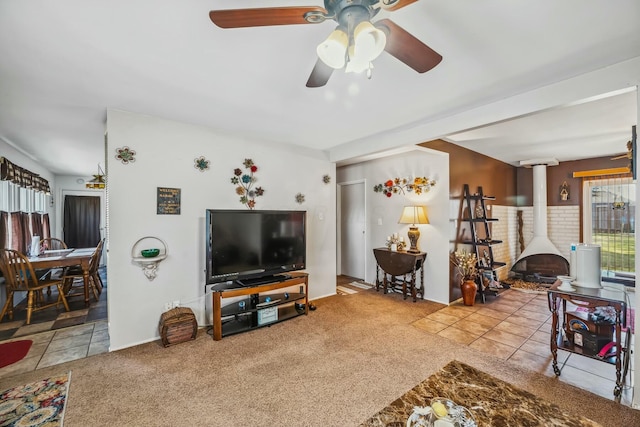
{"x":467,"y":265}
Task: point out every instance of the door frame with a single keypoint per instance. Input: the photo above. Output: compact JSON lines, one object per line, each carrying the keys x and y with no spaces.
{"x":339,"y":222}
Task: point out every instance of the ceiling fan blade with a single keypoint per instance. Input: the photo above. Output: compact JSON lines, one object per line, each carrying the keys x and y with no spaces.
{"x":319,"y":75}
{"x":395,"y":5}
{"x":237,"y":18}
{"x":407,"y":48}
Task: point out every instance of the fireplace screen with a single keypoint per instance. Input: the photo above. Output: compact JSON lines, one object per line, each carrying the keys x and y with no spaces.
{"x":541,"y":268}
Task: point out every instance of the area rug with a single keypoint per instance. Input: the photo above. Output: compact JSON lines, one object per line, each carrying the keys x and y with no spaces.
{"x":492,"y":402}
{"x":41,"y":403}
{"x":13,"y":351}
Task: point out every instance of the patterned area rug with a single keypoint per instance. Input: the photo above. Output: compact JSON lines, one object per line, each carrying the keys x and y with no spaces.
{"x":38,"y":404}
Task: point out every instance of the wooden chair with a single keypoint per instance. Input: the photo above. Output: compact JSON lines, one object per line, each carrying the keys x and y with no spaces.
{"x":21,"y":277}
{"x":51,"y":244}
{"x":75,"y":275}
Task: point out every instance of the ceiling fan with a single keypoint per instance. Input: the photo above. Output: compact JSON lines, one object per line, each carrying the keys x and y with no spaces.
{"x":355,"y":42}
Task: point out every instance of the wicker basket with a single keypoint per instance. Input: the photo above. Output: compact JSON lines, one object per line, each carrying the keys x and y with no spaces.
{"x":177,"y":325}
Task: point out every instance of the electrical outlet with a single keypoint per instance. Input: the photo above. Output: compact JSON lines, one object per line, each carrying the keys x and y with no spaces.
{"x":167,"y":306}
{"x":176,"y":303}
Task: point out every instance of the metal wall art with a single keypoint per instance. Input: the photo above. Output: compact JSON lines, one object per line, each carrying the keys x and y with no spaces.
{"x":201,"y":164}
{"x":416,"y":185}
{"x":125,"y":155}
{"x":244,"y":183}
{"x":300,"y":198}
{"x":326,"y":179}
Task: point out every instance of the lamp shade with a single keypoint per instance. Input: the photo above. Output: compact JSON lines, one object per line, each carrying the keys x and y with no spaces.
{"x":356,"y":64}
{"x":414,"y":215}
{"x":369,"y":42}
{"x":333,"y":50}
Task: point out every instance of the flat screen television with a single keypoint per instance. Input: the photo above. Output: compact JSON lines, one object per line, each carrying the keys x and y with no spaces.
{"x":245,"y":247}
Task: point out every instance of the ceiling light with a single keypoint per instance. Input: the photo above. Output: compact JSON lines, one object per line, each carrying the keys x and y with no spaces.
{"x":333,"y":50}
{"x":356,"y":64}
{"x":98,"y":181}
{"x":369,"y":41}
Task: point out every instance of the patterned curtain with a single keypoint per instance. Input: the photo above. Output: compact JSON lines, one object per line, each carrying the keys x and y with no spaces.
{"x":22,"y":177}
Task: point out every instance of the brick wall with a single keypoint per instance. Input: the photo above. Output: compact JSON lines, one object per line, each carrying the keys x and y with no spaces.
{"x":563,"y":228}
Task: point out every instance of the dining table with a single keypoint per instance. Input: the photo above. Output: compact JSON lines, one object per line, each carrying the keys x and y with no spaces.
{"x":66,"y":258}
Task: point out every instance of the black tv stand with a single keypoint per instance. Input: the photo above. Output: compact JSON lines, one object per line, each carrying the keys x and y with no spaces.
{"x":247,"y":283}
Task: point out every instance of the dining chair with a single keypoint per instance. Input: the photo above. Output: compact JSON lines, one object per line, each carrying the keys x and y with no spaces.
{"x":75,"y":275}
{"x":21,"y":277}
{"x":51,"y":244}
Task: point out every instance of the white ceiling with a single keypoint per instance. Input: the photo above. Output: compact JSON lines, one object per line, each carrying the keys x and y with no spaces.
{"x":65,"y":62}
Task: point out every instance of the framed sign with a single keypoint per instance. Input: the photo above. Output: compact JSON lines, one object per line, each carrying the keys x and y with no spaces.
{"x":168,"y":201}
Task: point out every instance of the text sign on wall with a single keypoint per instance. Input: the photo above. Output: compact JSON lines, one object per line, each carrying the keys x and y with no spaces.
{"x":168,"y":201}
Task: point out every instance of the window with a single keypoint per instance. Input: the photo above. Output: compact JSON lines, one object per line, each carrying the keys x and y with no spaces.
{"x":609,"y":221}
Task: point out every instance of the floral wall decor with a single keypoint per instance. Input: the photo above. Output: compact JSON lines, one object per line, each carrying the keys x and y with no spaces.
{"x":300,"y":198}
{"x":125,"y":155}
{"x":416,"y":185}
{"x":326,"y":179}
{"x":201,"y":164}
{"x":244,"y":184}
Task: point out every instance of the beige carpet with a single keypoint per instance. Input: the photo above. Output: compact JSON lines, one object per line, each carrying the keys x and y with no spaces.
{"x":335,"y":367}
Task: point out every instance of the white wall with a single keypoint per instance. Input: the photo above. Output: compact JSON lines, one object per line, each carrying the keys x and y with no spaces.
{"x":165,"y":153}
{"x":433,"y":237}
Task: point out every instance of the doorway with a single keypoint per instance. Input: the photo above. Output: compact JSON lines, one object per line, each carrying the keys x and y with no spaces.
{"x":61,"y":215}
{"x":352,"y":229}
{"x":81,"y":222}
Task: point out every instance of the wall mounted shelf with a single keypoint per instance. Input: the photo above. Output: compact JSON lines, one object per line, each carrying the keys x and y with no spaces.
{"x":149,"y":264}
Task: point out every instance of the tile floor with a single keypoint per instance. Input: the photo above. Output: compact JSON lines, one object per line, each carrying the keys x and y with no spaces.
{"x":516,"y":326}
{"x":58,"y":336}
{"x":51,"y":347}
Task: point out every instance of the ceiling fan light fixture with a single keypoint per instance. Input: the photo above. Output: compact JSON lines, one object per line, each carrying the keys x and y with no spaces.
{"x":356,"y":64}
{"x":369,"y":41}
{"x":333,"y":50}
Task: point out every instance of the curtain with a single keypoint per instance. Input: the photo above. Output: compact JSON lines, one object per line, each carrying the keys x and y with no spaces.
{"x":19,"y":231}
{"x":4,"y":230}
{"x":82,"y":221}
{"x":36,"y":225}
{"x":46,"y":229}
{"x":11,"y":172}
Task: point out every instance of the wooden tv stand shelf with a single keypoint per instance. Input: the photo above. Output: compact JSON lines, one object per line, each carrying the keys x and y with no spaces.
{"x":257,"y":311}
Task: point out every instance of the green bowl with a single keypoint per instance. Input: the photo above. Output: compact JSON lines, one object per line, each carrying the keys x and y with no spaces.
{"x":150,"y":253}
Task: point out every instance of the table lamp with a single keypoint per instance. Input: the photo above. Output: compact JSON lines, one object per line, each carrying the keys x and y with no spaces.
{"x":414,"y":215}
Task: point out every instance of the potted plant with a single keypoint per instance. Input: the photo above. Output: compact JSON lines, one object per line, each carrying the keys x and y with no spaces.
{"x":467,"y":265}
